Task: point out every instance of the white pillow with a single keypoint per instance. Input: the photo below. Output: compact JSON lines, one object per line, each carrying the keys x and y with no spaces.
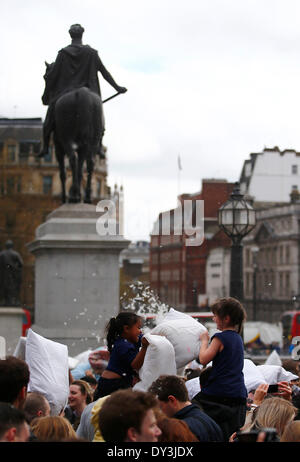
{"x":159,"y":360}
{"x":20,"y":348}
{"x":275,"y":374}
{"x":48,"y":366}
{"x":193,"y":387}
{"x":252,"y":375}
{"x":274,"y":359}
{"x":183,"y":332}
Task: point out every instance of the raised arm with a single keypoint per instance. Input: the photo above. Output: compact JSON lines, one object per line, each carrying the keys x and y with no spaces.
{"x":139,"y":359}
{"x":208,"y":352}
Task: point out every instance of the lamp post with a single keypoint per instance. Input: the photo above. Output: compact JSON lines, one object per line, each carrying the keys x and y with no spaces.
{"x":236,"y":218}
{"x":254,"y":251}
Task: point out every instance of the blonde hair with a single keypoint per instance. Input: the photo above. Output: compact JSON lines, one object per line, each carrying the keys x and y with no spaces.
{"x":291,"y":433}
{"x":275,"y":413}
{"x":52,"y":428}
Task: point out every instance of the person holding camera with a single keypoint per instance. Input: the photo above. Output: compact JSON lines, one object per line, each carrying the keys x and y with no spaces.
{"x":273,"y":412}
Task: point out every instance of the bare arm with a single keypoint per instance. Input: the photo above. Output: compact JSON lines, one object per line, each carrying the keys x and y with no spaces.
{"x":139,"y":359}
{"x":208,"y":352}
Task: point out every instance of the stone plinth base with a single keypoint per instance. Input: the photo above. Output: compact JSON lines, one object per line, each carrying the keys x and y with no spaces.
{"x":76,"y":277}
{"x":11,"y":320}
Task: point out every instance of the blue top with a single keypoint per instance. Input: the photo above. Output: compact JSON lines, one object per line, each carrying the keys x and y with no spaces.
{"x":122,"y":355}
{"x":226,"y":377}
{"x":203,"y":426}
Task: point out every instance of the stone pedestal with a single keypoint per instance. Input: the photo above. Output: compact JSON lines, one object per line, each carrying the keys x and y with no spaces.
{"x":76,"y":277}
{"x":11,"y":321}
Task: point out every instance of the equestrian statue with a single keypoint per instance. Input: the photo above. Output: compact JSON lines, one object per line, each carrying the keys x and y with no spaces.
{"x":75,"y":112}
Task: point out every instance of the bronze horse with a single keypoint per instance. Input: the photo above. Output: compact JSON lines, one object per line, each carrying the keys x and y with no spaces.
{"x":78,"y":133}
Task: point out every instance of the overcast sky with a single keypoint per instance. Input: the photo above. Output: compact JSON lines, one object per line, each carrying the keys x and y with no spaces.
{"x":209,"y":80}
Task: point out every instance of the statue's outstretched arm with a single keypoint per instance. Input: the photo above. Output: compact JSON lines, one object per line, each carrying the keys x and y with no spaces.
{"x":108,"y":77}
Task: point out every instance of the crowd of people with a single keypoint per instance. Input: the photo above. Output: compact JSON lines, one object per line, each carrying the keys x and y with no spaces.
{"x":110,"y":410}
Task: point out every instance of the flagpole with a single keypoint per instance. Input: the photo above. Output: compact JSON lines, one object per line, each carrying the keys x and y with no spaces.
{"x":178,"y":175}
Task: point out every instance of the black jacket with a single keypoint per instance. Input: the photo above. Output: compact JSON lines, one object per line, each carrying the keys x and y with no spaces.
{"x":229,"y":418}
{"x":203,"y":427}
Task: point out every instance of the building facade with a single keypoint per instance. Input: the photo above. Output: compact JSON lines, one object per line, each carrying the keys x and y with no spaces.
{"x":218,"y":273}
{"x":134,"y":265}
{"x":271,"y":175}
{"x":271,"y":262}
{"x":30,"y":189}
{"x":178,"y":271}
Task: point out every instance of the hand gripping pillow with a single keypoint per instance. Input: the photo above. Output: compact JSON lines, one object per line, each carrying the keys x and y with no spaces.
{"x":183,"y":332}
{"x":49,"y":372}
{"x":159,"y":360}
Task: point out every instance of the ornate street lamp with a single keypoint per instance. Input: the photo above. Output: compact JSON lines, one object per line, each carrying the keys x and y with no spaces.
{"x":236,"y":218}
{"x":254,"y":251}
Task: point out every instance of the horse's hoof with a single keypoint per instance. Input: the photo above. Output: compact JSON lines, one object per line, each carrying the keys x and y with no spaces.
{"x":87,"y":201}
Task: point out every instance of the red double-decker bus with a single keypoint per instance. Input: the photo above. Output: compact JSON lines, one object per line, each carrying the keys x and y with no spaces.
{"x":290,"y":325}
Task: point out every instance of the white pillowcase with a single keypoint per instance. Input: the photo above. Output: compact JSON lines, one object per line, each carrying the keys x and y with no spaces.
{"x":193,"y":387}
{"x":159,"y":360}
{"x":49,"y":371}
{"x":183,"y":332}
{"x":252,"y":375}
{"x":275,"y":374}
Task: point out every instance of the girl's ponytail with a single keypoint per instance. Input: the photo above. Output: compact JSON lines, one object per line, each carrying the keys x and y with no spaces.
{"x":112,"y":333}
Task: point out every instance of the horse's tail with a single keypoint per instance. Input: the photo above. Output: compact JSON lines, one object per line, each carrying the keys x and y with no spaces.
{"x":83,"y":113}
{"x":77,"y":112}
{"x":78,"y":115}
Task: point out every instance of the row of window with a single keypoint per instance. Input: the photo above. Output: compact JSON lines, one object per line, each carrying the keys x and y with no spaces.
{"x":167,"y":275}
{"x":13,"y":185}
{"x":166,"y":257}
{"x":20,"y":152}
{"x":277,"y":254}
{"x":170,"y":295}
{"x":268,"y":283}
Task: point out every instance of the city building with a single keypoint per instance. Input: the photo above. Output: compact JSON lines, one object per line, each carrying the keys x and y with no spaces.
{"x":178,"y":270}
{"x":218,"y":273}
{"x":270,"y":176}
{"x":271,"y":261}
{"x":134,"y":265}
{"x":30,"y":189}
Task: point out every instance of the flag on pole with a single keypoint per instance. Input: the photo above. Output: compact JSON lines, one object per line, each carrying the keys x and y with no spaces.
{"x":179,"y":163}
